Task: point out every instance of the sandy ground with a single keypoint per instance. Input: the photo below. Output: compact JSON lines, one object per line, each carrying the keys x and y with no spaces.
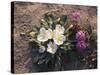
{"x":28,"y":15}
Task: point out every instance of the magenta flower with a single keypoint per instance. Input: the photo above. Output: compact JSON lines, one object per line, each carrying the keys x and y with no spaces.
{"x":75,"y":16}
{"x":81,"y":46}
{"x":80,"y":36}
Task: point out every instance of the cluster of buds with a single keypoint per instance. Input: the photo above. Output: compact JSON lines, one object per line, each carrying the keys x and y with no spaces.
{"x":80,"y":35}
{"x":80,"y":39}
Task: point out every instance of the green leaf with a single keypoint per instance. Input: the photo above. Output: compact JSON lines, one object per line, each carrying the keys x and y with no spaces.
{"x":57,"y":63}
{"x":63,"y":20}
{"x":41,"y":61}
{"x":50,"y":19}
{"x":67,"y":46}
{"x":44,"y":23}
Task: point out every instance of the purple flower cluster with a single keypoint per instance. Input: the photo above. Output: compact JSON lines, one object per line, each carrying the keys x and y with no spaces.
{"x":75,"y":16}
{"x":80,"y":38}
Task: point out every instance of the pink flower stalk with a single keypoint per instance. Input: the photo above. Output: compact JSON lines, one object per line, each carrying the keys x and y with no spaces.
{"x":75,"y":16}
{"x":80,"y":36}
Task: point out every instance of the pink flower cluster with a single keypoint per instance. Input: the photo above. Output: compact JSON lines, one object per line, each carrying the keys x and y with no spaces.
{"x":75,"y":16}
{"x":80,"y":38}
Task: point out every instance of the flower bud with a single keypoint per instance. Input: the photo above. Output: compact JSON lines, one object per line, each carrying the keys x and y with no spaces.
{"x":80,"y":36}
{"x":75,"y":16}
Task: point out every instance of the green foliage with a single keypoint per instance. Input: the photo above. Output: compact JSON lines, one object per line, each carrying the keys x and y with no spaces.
{"x":67,"y":46}
{"x":63,"y":20}
{"x":51,"y":21}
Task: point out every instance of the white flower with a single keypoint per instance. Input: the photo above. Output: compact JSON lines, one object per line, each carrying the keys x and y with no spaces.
{"x":59,"y":39}
{"x":50,"y":33}
{"x":43,"y":35}
{"x":56,"y":35}
{"x":42,"y":49}
{"x":59,"y":29}
{"x":52,"y":48}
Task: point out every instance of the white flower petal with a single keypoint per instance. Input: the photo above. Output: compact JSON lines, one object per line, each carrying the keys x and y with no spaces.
{"x":60,"y":29}
{"x":52,"y":48}
{"x":42,"y":38}
{"x":42,"y":30}
{"x":43,"y":35}
{"x":50,"y":33}
{"x":59,"y":39}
